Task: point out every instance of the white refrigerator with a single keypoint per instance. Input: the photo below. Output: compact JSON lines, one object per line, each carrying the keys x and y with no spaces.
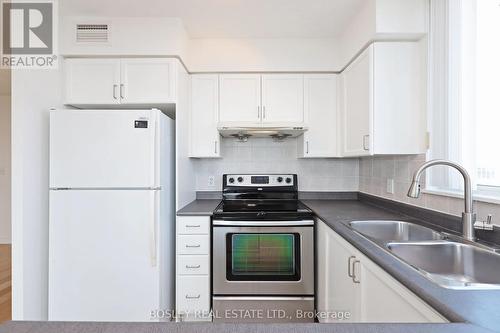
{"x":111,"y":229}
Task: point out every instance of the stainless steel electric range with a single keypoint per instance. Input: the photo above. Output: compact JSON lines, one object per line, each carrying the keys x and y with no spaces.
{"x":263,"y":251}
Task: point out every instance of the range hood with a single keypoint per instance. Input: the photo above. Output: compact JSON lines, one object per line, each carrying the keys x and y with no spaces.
{"x":244,"y":132}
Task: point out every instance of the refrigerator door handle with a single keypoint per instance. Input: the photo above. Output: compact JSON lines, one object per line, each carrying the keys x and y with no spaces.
{"x":153,"y":227}
{"x":157,"y":152}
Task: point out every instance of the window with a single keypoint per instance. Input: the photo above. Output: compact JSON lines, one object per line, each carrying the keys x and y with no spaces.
{"x":465,"y":92}
{"x":487,"y":92}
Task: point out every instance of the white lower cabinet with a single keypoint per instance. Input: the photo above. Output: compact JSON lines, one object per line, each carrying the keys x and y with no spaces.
{"x":193,"y":268}
{"x":352,"y":288}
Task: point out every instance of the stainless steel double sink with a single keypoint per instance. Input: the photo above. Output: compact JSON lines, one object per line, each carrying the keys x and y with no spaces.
{"x":449,"y":263}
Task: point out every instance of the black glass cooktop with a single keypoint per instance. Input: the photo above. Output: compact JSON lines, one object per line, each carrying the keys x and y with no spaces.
{"x":261,"y":197}
{"x":276,"y":210}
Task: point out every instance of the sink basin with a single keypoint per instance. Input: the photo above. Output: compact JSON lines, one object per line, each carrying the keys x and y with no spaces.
{"x":451,"y":264}
{"x":394,"y":231}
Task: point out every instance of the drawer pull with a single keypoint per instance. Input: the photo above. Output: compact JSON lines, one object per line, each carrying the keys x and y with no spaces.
{"x":193,"y":297}
{"x":193,"y":226}
{"x":193,"y":267}
{"x":193,"y":246}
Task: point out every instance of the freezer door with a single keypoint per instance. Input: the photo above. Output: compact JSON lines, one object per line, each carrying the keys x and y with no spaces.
{"x":103,"y":148}
{"x":103,"y":256}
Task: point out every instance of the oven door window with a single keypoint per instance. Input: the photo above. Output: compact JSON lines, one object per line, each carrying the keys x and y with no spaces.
{"x":263,"y":257}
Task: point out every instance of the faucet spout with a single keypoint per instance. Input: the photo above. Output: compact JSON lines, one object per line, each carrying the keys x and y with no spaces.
{"x":468,"y":216}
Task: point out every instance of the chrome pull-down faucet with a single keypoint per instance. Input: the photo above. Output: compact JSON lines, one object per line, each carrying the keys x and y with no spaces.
{"x":468,"y":216}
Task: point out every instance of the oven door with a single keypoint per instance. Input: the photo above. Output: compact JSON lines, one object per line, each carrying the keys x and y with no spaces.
{"x":263,"y":258}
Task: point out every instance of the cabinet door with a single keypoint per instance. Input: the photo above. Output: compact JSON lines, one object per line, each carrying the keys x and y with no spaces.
{"x":399,"y":304}
{"x":205,"y":139}
{"x":322,"y":262}
{"x":89,"y":259}
{"x":357,"y":109}
{"x":343,"y":295}
{"x":92,"y":81}
{"x":283,"y":98}
{"x":147,"y":81}
{"x":239,"y":99}
{"x":320,"y":115}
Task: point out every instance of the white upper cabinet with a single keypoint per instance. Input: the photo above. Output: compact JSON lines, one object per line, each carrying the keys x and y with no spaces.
{"x":92,"y":81}
{"x":127,"y":81}
{"x":383,"y":101}
{"x":239,"y":98}
{"x":320,"y":117}
{"x":147,"y":80}
{"x":283,"y":98}
{"x":261,"y":100}
{"x":357,"y":105}
{"x":204,"y":137}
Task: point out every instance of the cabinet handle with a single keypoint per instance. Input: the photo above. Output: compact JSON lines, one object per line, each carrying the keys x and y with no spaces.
{"x":349,"y":266}
{"x":354,"y":276}
{"x":193,"y":226}
{"x":193,"y":246}
{"x":121,"y":91}
{"x":193,"y":297}
{"x":264,"y":112}
{"x":366,"y":138}
{"x":114,"y":91}
{"x":215,"y":147}
{"x":193,"y":267}
{"x":307,"y":147}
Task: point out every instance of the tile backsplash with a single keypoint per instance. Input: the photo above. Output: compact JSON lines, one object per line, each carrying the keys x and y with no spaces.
{"x":367,"y":174}
{"x":262,"y":155}
{"x":375,"y":171}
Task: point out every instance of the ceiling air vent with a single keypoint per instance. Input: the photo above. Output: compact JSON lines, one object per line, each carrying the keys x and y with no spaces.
{"x":92,"y":33}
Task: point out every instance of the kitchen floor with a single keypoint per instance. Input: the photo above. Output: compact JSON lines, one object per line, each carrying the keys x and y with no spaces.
{"x":5,"y":283}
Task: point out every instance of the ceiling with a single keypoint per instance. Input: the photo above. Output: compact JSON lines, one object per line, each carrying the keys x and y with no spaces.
{"x":232,"y":18}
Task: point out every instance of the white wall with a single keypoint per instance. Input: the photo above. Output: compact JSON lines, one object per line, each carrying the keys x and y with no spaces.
{"x":128,"y":36}
{"x":5,"y":160}
{"x":220,"y":55}
{"x":383,"y":20}
{"x":184,"y":168}
{"x":262,"y":155}
{"x":33,"y":93}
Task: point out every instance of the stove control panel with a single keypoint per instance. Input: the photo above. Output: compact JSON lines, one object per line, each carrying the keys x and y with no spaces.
{"x":259,"y":180}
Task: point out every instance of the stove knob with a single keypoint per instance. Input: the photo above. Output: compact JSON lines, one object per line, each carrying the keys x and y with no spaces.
{"x":288,"y":180}
{"x":279,"y":179}
{"x":240,"y":179}
{"x":231,"y":180}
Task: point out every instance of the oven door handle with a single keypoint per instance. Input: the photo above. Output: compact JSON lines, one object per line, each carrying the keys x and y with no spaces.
{"x":263,"y":223}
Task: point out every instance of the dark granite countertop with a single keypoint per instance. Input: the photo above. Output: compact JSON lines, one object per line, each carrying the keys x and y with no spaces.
{"x":479,"y":307}
{"x":199,"y":207}
{"x":59,"y":327}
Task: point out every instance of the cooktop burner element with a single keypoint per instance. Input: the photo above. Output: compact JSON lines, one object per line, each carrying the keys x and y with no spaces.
{"x":261,"y":197}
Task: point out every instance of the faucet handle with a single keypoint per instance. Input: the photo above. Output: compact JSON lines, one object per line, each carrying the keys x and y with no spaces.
{"x":484,"y":225}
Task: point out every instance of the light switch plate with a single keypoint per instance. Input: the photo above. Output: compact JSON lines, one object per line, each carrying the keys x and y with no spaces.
{"x":390,"y":186}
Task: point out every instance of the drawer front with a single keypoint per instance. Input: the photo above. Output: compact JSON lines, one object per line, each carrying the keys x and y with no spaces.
{"x":193,"y":265}
{"x":193,"y":244}
{"x":193,"y":293}
{"x":193,"y":225}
